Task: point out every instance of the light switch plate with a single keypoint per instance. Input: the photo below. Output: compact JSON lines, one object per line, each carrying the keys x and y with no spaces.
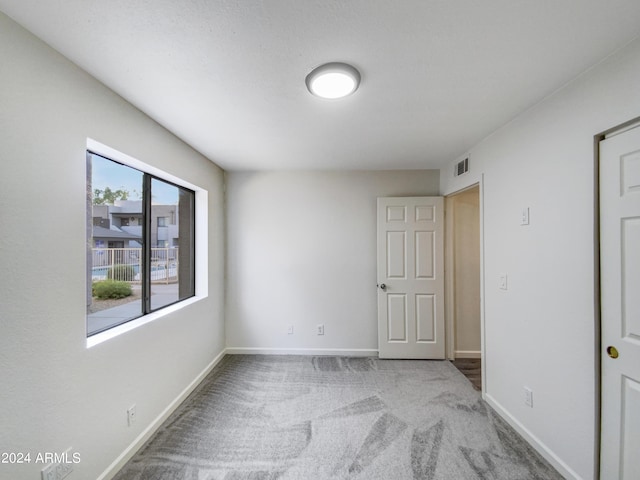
{"x":525,"y":216}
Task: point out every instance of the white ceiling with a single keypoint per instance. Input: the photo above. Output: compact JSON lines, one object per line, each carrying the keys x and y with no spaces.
{"x":228,"y":76}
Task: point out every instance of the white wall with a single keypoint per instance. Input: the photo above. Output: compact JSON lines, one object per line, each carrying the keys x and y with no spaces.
{"x":302,"y":252}
{"x":541,"y":331}
{"x":55,"y":392}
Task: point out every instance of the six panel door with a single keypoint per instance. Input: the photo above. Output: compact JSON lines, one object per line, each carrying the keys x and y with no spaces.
{"x":620,"y":305}
{"x":411,"y":277}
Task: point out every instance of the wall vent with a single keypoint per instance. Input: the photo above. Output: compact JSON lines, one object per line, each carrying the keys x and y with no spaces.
{"x":461,"y":167}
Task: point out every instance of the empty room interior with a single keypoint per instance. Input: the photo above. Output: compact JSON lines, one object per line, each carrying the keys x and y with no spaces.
{"x":213,"y":268}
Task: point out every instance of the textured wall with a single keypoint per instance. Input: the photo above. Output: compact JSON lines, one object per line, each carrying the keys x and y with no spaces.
{"x":55,"y":392}
{"x":541,"y":331}
{"x":302,"y":252}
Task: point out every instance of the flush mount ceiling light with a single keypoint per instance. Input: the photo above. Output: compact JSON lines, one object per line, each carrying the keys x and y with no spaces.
{"x":333,"y":80}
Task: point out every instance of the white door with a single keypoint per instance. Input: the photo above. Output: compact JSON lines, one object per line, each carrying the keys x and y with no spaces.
{"x":411,"y":277}
{"x":620,"y":305}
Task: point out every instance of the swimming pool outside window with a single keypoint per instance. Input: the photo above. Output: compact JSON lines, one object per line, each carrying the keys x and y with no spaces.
{"x":140,"y":243}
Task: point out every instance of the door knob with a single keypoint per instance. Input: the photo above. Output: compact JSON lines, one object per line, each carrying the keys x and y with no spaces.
{"x":612,"y":352}
{"x":382,"y":286}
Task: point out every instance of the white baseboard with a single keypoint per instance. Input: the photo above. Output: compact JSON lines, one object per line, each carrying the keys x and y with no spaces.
{"x":468,"y":354}
{"x":131,"y":450}
{"x":534,"y":441}
{"x":347,"y":352}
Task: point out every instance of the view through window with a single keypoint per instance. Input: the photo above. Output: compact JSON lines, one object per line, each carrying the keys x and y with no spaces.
{"x":140,"y":243}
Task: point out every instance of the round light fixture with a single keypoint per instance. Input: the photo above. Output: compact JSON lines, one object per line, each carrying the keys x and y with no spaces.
{"x":333,"y":80}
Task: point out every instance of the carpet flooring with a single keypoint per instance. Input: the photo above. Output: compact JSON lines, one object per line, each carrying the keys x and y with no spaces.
{"x":314,"y":418}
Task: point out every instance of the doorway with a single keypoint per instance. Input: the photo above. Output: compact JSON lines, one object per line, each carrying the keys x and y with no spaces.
{"x":463,"y":292}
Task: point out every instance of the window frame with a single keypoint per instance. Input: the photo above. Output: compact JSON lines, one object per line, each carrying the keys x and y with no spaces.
{"x":199,"y":229}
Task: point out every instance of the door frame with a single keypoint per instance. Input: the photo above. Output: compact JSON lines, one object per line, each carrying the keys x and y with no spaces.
{"x":449,"y":279}
{"x":597,"y":364}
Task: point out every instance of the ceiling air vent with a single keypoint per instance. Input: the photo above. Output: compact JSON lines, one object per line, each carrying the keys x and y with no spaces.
{"x":461,"y":167}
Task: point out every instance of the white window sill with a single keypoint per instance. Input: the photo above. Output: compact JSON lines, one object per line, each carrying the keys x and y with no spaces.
{"x":99,"y":338}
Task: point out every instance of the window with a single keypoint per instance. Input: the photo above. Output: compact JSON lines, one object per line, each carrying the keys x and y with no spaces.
{"x":134,"y":267}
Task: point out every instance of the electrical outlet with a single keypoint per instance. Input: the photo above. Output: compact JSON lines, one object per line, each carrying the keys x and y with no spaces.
{"x":49,"y":472}
{"x":320,"y":329}
{"x":290,"y":330}
{"x":528,"y":397}
{"x":502,"y":281}
{"x":131,"y":415}
{"x":63,"y":469}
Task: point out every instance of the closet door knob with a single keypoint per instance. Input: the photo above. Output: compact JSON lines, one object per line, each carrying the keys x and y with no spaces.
{"x":612,"y":352}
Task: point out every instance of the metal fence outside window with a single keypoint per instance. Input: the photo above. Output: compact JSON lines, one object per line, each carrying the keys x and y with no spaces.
{"x":124,"y":264}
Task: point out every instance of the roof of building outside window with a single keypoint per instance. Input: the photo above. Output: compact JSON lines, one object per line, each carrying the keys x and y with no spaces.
{"x":106,"y":233}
